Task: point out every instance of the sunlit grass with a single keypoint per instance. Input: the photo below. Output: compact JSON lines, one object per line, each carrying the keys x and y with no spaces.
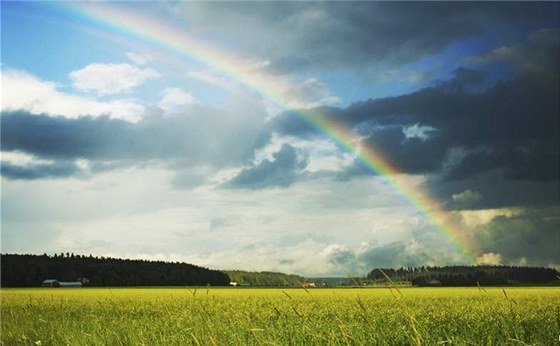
{"x":237,"y":316}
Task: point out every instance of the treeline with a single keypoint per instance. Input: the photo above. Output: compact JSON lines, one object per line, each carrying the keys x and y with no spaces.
{"x":468,"y":275}
{"x":264,"y":278}
{"x":31,"y":270}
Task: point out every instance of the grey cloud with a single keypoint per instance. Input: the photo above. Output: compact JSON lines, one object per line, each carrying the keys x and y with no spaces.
{"x":411,"y":155}
{"x":67,"y":139}
{"x":523,"y":54}
{"x":396,"y":255}
{"x":294,"y":36}
{"x":532,"y":161}
{"x":512,"y":126}
{"x":201,"y":136}
{"x":392,"y":255}
{"x":39,"y":171}
{"x":531,"y":237}
{"x":500,"y":138}
{"x":423,"y":246}
{"x":467,"y":197}
{"x":282,"y":171}
{"x":496,"y":191}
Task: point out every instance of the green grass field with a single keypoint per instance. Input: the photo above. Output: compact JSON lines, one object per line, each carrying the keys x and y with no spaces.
{"x":238,"y":316}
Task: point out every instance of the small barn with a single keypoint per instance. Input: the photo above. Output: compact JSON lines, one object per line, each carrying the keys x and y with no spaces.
{"x":50,"y":283}
{"x":434,"y":283}
{"x":56,"y":283}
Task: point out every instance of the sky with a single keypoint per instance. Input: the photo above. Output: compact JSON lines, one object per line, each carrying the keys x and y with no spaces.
{"x":315,"y":138}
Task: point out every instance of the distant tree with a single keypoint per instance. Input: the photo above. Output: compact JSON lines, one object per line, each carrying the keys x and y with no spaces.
{"x":468,"y":275}
{"x":31,"y":270}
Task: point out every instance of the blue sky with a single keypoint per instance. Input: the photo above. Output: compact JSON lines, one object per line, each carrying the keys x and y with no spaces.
{"x":115,"y":145}
{"x":52,"y":40}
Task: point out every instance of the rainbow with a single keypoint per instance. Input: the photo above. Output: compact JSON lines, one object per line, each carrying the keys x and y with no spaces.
{"x":275,"y":89}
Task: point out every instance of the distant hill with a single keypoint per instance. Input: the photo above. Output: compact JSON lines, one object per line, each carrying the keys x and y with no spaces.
{"x":469,"y":275}
{"x":31,"y":270}
{"x":273,"y":279}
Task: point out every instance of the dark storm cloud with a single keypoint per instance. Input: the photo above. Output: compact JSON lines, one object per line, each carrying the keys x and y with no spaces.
{"x":512,"y":125}
{"x":531,"y":237}
{"x":201,"y":137}
{"x":538,"y":53}
{"x":496,"y":191}
{"x":282,"y":171}
{"x":532,"y":161}
{"x":411,"y":155}
{"x":295,"y":36}
{"x":498,"y":137}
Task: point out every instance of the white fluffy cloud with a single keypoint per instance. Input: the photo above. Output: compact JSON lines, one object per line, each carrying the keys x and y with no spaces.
{"x":109,"y":79}
{"x":173,"y":98}
{"x":23,"y":91}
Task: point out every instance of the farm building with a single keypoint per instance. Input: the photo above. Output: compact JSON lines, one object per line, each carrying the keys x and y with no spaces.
{"x":50,"y":283}
{"x":56,"y":283}
{"x":434,"y":283}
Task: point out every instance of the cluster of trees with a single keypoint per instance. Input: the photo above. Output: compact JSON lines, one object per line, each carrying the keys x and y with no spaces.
{"x":468,"y":275}
{"x":264,"y":278}
{"x":31,"y":270}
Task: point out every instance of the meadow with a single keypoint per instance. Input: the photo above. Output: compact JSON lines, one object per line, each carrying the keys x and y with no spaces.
{"x":251,"y":316}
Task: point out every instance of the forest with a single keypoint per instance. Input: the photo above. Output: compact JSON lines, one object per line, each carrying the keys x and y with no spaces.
{"x":266,"y":278}
{"x":31,"y":270}
{"x":468,"y":275}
